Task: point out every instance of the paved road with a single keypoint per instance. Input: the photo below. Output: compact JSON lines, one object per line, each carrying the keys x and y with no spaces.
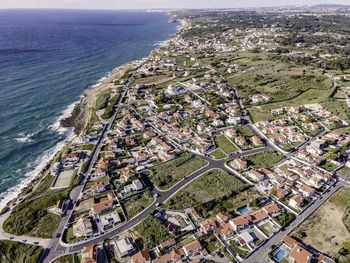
{"x":258,"y":256}
{"x":62,"y":248}
{"x":54,"y":248}
{"x":58,"y":248}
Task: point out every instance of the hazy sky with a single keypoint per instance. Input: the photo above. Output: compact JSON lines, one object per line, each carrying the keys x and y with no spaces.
{"x":144,"y":4}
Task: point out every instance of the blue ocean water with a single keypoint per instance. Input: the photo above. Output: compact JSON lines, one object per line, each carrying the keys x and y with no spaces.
{"x":47,"y":59}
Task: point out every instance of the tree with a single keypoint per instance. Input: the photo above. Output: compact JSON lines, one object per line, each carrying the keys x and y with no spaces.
{"x":346,"y":246}
{"x":330,"y":156}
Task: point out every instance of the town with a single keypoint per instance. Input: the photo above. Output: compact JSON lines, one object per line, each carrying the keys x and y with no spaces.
{"x":217,"y":147}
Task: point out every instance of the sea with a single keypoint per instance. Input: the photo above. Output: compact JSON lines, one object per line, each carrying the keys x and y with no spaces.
{"x":47,"y":59}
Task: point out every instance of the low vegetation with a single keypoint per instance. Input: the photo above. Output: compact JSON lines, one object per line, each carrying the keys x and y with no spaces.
{"x":74,"y":258}
{"x":167,"y":174}
{"x":32,"y":218}
{"x":264,"y":159}
{"x":14,"y":252}
{"x":218,"y":154}
{"x":137,"y":204}
{"x":225,"y":145}
{"x":209,"y":189}
{"x":152,"y":232}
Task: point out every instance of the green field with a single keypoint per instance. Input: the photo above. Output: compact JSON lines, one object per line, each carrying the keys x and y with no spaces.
{"x":264,"y":159}
{"x":284,"y":83}
{"x":74,"y":258}
{"x":281,"y":81}
{"x":136,"y":204}
{"x":167,"y":174}
{"x":211,"y":186}
{"x":14,"y":252}
{"x":218,"y":154}
{"x":152,"y":232}
{"x":225,"y":145}
{"x":32,"y":218}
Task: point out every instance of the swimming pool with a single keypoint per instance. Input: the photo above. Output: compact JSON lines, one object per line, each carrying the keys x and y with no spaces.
{"x":243,"y":210}
{"x":279,"y":254}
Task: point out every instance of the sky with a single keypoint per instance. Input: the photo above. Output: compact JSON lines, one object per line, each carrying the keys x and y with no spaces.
{"x":151,"y":4}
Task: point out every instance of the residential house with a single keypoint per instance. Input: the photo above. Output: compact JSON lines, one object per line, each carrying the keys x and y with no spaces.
{"x":256,"y":141}
{"x":296,"y":201}
{"x":172,"y":256}
{"x":88,"y":254}
{"x":306,"y":190}
{"x":100,"y":187}
{"x":256,"y":175}
{"x":222,"y":217}
{"x":102,"y":207}
{"x":225,"y":230}
{"x":258,"y":215}
{"x":207,"y":226}
{"x":195,"y":215}
{"x":241,"y":222}
{"x":240,"y":163}
{"x":83,"y":227}
{"x":125,"y":246}
{"x":193,"y":249}
{"x":141,"y":257}
{"x":167,"y":244}
{"x":272,"y":209}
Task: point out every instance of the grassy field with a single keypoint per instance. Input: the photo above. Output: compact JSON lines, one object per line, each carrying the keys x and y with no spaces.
{"x":152,"y":232}
{"x":218,"y":154}
{"x":264,"y":159}
{"x":329,"y":226}
{"x":224,"y":144}
{"x":137,"y":203}
{"x":213,"y":185}
{"x":285,"y":84}
{"x":167,"y":174}
{"x":281,"y":81}
{"x":14,"y":252}
{"x":32,"y":218}
{"x":337,"y":107}
{"x":74,"y":258}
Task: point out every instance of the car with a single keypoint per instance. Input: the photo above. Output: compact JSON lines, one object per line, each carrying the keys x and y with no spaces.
{"x":158,"y":204}
{"x":36,"y":242}
{"x":24,"y":240}
{"x":58,"y":235}
{"x":11,"y":238}
{"x":156,"y":195}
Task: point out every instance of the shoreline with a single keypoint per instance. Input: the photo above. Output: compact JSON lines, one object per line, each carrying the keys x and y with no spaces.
{"x":73,"y":120}
{"x":78,"y":114}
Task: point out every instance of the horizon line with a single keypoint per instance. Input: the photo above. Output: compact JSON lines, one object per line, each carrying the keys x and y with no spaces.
{"x":167,"y":9}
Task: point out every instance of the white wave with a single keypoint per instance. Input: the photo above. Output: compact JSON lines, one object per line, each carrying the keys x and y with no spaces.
{"x":100,"y":81}
{"x":56,"y":126}
{"x":35,"y":168}
{"x":25,"y":138}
